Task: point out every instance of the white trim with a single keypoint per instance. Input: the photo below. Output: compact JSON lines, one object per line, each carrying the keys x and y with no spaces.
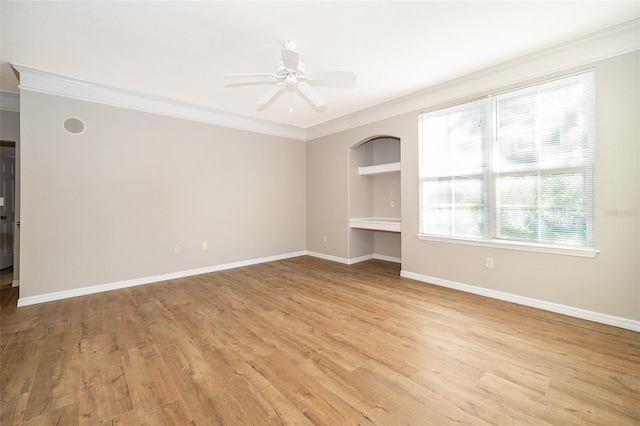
{"x":327,"y":257}
{"x":591,"y":48}
{"x":390,"y":224}
{"x":625,"y":323}
{"x":514,"y":245}
{"x":598,"y":46}
{"x":58,"y":295}
{"x":353,"y":260}
{"x":15,"y":283}
{"x":359,"y":259}
{"x":40,"y":81}
{"x":387,"y":258}
{"x":379,"y":169}
{"x":9,"y":101}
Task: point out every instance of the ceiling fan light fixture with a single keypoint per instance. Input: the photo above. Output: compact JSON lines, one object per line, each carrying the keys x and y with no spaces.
{"x":289,"y":73}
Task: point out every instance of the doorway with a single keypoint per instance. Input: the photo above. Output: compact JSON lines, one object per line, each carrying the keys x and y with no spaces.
{"x":7,"y":210}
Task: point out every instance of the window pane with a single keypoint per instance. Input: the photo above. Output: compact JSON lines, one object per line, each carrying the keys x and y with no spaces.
{"x":563,"y":209}
{"x":543,"y":208}
{"x":452,"y":166}
{"x":518,"y":223}
{"x":436,"y":221}
{"x":453,"y":141}
{"x":564,"y":123}
{"x":516,"y":132}
{"x":545,"y":126}
{"x":436,"y":191}
{"x":469,"y":222}
{"x":517,"y":207}
{"x":453,"y":206}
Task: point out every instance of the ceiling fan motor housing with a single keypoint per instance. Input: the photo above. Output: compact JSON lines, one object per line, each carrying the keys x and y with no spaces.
{"x":282,"y":72}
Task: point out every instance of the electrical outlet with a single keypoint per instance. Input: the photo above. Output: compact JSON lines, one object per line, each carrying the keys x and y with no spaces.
{"x":489,"y":263}
{"x":392,"y":204}
{"x":204,"y":245}
{"x":176,"y":249}
{"x":324,"y":238}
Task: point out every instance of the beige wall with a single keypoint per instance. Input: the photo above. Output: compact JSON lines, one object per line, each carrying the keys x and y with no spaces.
{"x":110,"y":204}
{"x":327,"y":189}
{"x":608,"y":283}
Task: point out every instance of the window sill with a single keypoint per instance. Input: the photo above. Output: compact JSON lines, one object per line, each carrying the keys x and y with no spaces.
{"x":513,"y":245}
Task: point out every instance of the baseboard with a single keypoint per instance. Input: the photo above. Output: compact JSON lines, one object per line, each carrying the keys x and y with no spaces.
{"x":387,"y":258}
{"x":15,"y":283}
{"x":354,"y":260}
{"x":327,"y":257}
{"x":49,"y":297}
{"x":598,"y":317}
{"x":359,"y":259}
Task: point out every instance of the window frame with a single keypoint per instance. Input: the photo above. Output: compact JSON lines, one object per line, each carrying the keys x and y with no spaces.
{"x":490,"y":176}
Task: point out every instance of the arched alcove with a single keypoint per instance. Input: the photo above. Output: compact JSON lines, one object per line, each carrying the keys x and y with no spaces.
{"x":375,"y":199}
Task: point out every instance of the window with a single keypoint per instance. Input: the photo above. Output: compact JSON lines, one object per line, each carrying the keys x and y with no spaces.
{"x":515,"y":167}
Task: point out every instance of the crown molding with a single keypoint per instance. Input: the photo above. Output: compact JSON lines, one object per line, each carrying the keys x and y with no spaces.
{"x":9,"y":101}
{"x":585,"y":50}
{"x":40,"y":81}
{"x":608,"y":43}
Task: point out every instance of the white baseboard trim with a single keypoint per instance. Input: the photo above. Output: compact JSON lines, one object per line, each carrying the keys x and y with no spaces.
{"x":354,"y":259}
{"x":625,"y":323}
{"x":327,"y":257}
{"x":15,"y":283}
{"x":359,"y":259}
{"x":387,"y":258}
{"x":58,"y":295}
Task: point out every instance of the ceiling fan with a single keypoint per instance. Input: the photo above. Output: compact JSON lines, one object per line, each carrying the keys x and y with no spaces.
{"x":291,"y":75}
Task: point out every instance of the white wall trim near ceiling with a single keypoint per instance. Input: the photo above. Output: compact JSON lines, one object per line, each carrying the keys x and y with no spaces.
{"x":9,"y":101}
{"x":35,"y":80}
{"x":608,"y":43}
{"x":598,"y":46}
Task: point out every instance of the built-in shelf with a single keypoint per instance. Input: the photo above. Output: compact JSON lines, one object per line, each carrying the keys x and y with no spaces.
{"x":377,"y":223}
{"x":379,"y":169}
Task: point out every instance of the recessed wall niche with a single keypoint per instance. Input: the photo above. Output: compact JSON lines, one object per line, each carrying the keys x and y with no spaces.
{"x":375,"y":199}
{"x":74,"y":125}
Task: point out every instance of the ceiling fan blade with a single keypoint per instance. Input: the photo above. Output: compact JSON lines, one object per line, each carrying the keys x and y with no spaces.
{"x":331,"y":76}
{"x":271,"y":93}
{"x":290,"y":59}
{"x":251,"y":75}
{"x":311,"y":94}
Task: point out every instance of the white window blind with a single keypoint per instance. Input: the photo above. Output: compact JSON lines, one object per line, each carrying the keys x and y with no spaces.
{"x":533,"y":183}
{"x":453,"y":171}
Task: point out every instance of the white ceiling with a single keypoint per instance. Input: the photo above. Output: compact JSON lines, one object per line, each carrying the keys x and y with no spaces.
{"x":181,"y":50}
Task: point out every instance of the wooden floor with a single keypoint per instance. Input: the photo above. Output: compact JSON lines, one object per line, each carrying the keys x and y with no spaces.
{"x":307,"y":341}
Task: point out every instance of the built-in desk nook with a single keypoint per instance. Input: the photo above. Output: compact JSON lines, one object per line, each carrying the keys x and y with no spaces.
{"x":375,"y":199}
